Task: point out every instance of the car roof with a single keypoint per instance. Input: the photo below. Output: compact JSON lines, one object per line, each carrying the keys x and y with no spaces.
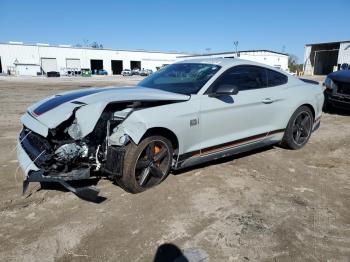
{"x":213,"y":61}
{"x":227,"y":62}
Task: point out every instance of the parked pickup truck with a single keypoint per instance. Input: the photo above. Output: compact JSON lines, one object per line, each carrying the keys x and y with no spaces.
{"x":337,"y":92}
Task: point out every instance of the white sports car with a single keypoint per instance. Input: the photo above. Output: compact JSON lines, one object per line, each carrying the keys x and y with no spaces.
{"x":186,"y":113}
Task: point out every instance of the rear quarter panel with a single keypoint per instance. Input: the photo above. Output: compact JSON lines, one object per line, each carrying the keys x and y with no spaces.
{"x":299,"y":93}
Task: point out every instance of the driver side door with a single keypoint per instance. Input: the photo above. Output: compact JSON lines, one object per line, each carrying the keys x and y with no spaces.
{"x":241,"y":118}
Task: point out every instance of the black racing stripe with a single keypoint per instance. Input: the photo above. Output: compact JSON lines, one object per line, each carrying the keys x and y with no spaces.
{"x":61,"y":99}
{"x":276,"y":131}
{"x":188,"y":155}
{"x":239,"y":142}
{"x":232,"y":144}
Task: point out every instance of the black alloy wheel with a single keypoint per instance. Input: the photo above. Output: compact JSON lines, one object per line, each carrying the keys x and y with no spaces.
{"x":152,"y":164}
{"x":302,"y":128}
{"x":299,"y":129}
{"x":146,"y":164}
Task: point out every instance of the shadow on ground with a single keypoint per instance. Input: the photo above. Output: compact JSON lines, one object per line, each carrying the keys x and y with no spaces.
{"x":169,"y":253}
{"x":337,"y":111}
{"x":75,"y":184}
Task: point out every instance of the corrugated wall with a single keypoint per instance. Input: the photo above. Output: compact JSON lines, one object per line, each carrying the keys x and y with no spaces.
{"x":344,"y":53}
{"x":308,"y":68}
{"x":32,"y":54}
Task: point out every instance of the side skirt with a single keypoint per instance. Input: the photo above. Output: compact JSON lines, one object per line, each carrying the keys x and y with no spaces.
{"x":227,"y":149}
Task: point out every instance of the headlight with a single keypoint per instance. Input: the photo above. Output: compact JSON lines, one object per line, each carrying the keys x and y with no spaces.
{"x":123,"y":140}
{"x":74,"y":130}
{"x":329,"y":83}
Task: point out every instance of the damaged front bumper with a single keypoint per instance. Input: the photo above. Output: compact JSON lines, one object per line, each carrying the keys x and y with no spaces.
{"x":33,"y":173}
{"x":27,"y":165}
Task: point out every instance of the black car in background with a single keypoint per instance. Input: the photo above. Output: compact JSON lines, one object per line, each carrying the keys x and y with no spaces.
{"x":337,"y":92}
{"x":53,"y":74}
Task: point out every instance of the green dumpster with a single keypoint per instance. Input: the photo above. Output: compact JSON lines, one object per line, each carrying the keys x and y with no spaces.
{"x":86,"y":72}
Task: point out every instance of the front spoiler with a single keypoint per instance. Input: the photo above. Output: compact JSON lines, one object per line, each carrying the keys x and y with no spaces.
{"x":34,"y":174}
{"x":87,"y":192}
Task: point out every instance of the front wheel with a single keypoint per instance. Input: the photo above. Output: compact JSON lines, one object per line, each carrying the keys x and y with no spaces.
{"x":299,"y":129}
{"x":146,"y":164}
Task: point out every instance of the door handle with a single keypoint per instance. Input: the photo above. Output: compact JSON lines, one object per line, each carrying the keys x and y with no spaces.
{"x":267,"y":101}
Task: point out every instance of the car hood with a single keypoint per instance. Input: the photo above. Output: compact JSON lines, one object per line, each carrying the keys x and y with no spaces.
{"x":341,"y":76}
{"x":52,"y":111}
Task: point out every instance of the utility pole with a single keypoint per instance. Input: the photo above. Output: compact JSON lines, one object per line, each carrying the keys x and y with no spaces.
{"x":235,"y":43}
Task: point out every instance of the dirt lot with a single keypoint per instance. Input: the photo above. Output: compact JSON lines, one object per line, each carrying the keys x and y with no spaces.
{"x":271,"y":205}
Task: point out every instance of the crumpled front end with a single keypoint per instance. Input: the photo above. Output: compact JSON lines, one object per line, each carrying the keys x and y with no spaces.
{"x":42,"y":163}
{"x":65,"y":155}
{"x":26,"y":163}
{"x":87,"y":137}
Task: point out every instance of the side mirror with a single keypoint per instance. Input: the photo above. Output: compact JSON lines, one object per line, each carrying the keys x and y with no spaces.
{"x":225,"y":90}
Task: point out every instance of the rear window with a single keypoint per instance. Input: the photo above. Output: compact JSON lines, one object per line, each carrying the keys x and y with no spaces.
{"x":275,"y":79}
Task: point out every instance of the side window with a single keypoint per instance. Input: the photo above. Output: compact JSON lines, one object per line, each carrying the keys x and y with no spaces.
{"x":275,"y":79}
{"x":244,"y":77}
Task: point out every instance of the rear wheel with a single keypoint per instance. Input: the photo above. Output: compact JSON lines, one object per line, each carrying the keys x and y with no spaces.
{"x":147,"y":164}
{"x":299,"y":129}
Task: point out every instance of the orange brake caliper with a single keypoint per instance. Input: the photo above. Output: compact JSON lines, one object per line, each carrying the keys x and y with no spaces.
{"x":156,"y":151}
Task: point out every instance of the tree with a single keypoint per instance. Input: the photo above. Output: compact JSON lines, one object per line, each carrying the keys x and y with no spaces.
{"x":292,"y":60}
{"x":293,"y":64}
{"x":96,"y":45}
{"x":87,"y":43}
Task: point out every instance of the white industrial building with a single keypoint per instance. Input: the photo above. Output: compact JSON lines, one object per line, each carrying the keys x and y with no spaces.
{"x":32,"y":59}
{"x":324,"y":58}
{"x":271,"y":58}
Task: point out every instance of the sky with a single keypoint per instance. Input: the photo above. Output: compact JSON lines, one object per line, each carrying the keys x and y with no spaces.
{"x":178,"y":25}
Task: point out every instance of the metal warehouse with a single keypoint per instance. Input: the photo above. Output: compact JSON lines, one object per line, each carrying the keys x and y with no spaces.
{"x":324,"y":58}
{"x":33,"y":59}
{"x":271,"y":58}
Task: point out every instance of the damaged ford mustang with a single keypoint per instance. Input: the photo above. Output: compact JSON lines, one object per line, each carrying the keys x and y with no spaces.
{"x":184,"y":114}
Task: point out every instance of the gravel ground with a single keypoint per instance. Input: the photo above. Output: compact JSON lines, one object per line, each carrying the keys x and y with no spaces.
{"x":268,"y":205}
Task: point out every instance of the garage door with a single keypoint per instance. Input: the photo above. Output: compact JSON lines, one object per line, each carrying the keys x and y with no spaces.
{"x":48,"y":64}
{"x":73,"y":63}
{"x":28,"y":70}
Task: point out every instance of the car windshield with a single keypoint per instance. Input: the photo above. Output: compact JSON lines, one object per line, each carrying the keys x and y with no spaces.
{"x":182,"y":78}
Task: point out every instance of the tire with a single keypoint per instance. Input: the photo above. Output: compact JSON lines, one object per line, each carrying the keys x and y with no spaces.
{"x":300,"y":125}
{"x":137,"y":161}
